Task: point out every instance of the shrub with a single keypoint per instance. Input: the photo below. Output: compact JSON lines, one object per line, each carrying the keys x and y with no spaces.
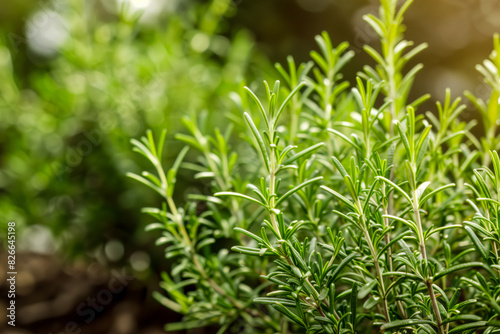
{"x":67,"y":118}
{"x":351,"y":213}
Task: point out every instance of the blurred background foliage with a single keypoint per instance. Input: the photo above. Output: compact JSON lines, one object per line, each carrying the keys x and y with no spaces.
{"x":78,"y":79}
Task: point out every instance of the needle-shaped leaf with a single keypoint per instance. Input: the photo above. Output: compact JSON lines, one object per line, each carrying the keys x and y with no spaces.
{"x":376,"y":24}
{"x":478,"y":244}
{"x":405,"y":323}
{"x":205,"y":242}
{"x":432,"y":231}
{"x":422,"y":146}
{"x":272,"y":301}
{"x":172,"y":173}
{"x":285,"y":103}
{"x":340,"y":267}
{"x":142,"y":149}
{"x":257,"y":192}
{"x":285,"y":151}
{"x":147,"y":183}
{"x":341,"y":198}
{"x":303,"y":153}
{"x":434,"y":192}
{"x":366,"y":289}
{"x":405,"y":141}
{"x":289,"y":314}
{"x":297,"y":188}
{"x":340,"y":167}
{"x":374,"y":54}
{"x":421,"y":189}
{"x":366,"y":206}
{"x":251,"y":251}
{"x":354,"y":304}
{"x":259,"y":105}
{"x":234,"y":194}
{"x":392,"y":242}
{"x":468,"y":327}
{"x":250,"y":234}
{"x":458,"y":267}
{"x":262,"y":147}
{"x":347,"y":139}
{"x":395,"y":186}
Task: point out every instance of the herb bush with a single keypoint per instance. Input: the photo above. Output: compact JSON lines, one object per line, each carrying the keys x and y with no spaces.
{"x":67,"y":117}
{"x":351,"y":212}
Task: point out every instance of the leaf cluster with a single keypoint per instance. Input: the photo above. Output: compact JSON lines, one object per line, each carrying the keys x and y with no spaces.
{"x":357,"y":213}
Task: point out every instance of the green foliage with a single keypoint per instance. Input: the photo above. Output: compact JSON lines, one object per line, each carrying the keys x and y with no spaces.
{"x":490,"y":70}
{"x":66,"y":120}
{"x":349,"y":210}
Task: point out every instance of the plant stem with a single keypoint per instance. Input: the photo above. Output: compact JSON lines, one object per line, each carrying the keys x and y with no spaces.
{"x":387,"y":239}
{"x":234,"y":208}
{"x":201,"y":270}
{"x":387,"y":236}
{"x":392,"y":96}
{"x":170,"y":202}
{"x":272,"y":178}
{"x":428,"y":281}
{"x":187,"y":239}
{"x":377,"y":265}
{"x":294,"y":122}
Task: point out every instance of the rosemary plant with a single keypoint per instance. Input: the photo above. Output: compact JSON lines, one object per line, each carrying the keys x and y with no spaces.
{"x":352,"y":212}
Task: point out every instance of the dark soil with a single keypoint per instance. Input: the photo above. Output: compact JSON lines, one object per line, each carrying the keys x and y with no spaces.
{"x":79,"y":298}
